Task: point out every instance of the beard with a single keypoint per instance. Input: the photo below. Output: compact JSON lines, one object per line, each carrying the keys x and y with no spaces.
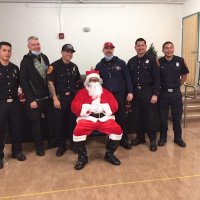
{"x":94,"y":90}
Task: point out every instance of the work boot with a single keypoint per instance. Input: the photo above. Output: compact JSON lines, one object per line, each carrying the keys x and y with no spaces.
{"x":162,"y":141}
{"x":138,"y":140}
{"x":125,"y":144}
{"x":153,"y":146}
{"x":60,"y":151}
{"x":19,"y":156}
{"x":180,"y":142}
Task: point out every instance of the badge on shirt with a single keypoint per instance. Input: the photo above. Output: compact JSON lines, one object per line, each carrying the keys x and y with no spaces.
{"x":177,"y":64}
{"x":50,"y":69}
{"x":147,"y":61}
{"x":118,"y":68}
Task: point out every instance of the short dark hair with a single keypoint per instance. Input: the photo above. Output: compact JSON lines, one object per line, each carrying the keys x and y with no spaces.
{"x":140,"y":40}
{"x":5,"y":43}
{"x":168,"y":42}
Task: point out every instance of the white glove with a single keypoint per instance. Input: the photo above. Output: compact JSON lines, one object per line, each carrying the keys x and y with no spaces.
{"x":96,"y":108}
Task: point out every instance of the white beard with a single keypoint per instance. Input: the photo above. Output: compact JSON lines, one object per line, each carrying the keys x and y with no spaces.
{"x":94,"y":89}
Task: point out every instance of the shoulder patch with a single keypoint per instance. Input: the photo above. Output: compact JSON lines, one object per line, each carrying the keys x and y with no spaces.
{"x":50,"y":69}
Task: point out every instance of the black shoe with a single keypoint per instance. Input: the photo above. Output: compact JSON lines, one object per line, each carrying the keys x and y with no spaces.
{"x":162,"y":142}
{"x":110,"y":157}
{"x":153,"y":146}
{"x":40,"y":151}
{"x":80,"y":164}
{"x":125,"y":144}
{"x":19,"y":156}
{"x":138,"y":141}
{"x":180,"y":142}
{"x":60,"y":151}
{"x":1,"y":163}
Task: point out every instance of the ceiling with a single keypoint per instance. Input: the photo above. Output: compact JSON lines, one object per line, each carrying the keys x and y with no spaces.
{"x":98,"y":1}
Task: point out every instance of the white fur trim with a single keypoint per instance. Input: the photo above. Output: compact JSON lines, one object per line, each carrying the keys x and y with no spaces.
{"x":79,"y":138}
{"x":106,"y":109}
{"x":92,"y":75}
{"x":115,"y":137}
{"x":85,"y":109}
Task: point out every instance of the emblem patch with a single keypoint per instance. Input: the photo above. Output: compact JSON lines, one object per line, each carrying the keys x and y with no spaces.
{"x":50,"y":69}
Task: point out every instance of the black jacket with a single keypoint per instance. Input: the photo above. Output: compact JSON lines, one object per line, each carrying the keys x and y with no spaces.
{"x":32,"y":83}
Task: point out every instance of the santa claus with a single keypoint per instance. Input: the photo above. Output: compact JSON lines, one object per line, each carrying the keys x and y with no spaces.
{"x":94,"y":107}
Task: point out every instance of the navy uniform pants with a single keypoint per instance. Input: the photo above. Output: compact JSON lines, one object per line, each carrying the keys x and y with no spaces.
{"x":65,"y":121}
{"x":120,"y":115}
{"x":145,"y":113}
{"x":171,"y":100}
{"x":11,"y":117}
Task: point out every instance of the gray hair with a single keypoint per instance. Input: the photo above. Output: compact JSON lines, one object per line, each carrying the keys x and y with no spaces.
{"x":32,"y":38}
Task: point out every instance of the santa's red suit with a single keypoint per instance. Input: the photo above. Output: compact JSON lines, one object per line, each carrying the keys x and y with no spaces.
{"x":102,"y":121}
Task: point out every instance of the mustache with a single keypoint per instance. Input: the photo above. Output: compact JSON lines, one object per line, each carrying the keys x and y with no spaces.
{"x":108,"y":52}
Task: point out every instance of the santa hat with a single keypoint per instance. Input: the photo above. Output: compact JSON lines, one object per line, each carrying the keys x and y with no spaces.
{"x":92,"y":74}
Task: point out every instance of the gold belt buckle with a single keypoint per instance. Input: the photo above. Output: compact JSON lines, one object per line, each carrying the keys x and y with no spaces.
{"x":9,"y":100}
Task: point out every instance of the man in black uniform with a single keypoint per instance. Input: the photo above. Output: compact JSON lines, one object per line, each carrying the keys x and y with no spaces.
{"x":145,"y":77}
{"x":116,"y":79}
{"x":10,"y":107}
{"x":33,"y":70}
{"x":63,"y":77}
{"x":173,"y":73}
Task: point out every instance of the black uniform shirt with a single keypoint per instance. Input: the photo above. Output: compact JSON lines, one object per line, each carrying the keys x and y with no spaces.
{"x":171,"y":71}
{"x":144,"y":71}
{"x":64,"y":76}
{"x":115,"y":75}
{"x":9,"y":81}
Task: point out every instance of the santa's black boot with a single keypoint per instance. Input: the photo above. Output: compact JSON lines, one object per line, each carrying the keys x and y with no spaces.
{"x":82,"y":155}
{"x":109,"y":155}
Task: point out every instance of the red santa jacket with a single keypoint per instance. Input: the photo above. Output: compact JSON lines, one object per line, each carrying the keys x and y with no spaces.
{"x":81,"y":105}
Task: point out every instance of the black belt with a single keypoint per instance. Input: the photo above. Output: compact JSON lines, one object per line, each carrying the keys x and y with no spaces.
{"x":170,"y":90}
{"x":97,"y":115}
{"x":10,"y":100}
{"x":43,"y":98}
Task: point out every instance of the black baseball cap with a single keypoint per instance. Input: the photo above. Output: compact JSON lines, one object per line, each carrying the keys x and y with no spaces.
{"x":67,"y":47}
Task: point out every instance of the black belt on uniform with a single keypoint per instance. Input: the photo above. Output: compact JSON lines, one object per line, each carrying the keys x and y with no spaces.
{"x":10,"y":100}
{"x":43,"y":98}
{"x":170,"y":89}
{"x":97,"y":115}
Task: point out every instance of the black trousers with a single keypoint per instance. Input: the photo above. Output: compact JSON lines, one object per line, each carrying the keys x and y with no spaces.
{"x":11,"y":117}
{"x":45,"y":108}
{"x":171,"y":100}
{"x":120,"y":115}
{"x":145,"y":113}
{"x":65,"y":121}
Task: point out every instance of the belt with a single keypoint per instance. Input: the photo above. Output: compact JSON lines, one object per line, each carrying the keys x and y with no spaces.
{"x":43,"y":98}
{"x":7,"y":100}
{"x":170,"y":90}
{"x":97,"y":115}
